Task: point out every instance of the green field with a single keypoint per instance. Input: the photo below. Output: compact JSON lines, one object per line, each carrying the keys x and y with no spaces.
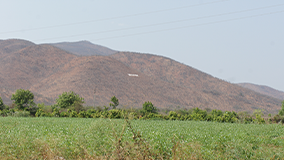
{"x":79,"y":138}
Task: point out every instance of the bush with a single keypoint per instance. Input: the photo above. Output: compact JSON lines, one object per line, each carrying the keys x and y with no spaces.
{"x":259,"y":119}
{"x":281,"y":112}
{"x":248,"y":119}
{"x":114,"y":114}
{"x":41,"y":113}
{"x":73,"y":113}
{"x":282,"y":120}
{"x":64,"y":114}
{"x":21,"y":114}
{"x":133,"y":115}
{"x":277,"y":118}
{"x":2,"y":106}
{"x":174,"y":116}
{"x":82,"y":114}
{"x":55,"y":113}
{"x":96,"y":115}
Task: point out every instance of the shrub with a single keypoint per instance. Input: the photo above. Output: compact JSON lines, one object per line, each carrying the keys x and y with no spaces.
{"x":277,"y":118}
{"x":2,"y":106}
{"x":259,"y":119}
{"x":216,"y":113}
{"x":281,"y":112}
{"x":174,"y":116}
{"x":73,"y":113}
{"x":196,"y":117}
{"x":82,"y":114}
{"x":96,"y":115}
{"x":114,"y":114}
{"x":64,"y":114}
{"x":21,"y":114}
{"x":133,"y":115}
{"x":248,"y":119}
{"x":41,"y":113}
{"x":55,"y":113}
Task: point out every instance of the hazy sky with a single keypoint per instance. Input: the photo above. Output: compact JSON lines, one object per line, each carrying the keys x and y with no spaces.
{"x":234,"y":40}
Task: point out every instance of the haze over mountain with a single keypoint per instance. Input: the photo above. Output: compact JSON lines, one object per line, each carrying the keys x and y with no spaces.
{"x":264,"y":90}
{"x":48,"y":71}
{"x":84,"y":48}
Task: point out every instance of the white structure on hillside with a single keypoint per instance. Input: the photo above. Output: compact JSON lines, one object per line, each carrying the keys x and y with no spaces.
{"x":133,"y":75}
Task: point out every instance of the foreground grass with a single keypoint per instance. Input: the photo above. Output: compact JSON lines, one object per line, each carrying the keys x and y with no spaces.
{"x":72,"y":138}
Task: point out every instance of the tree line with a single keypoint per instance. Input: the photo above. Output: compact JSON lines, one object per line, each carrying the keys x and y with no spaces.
{"x":70,"y":104}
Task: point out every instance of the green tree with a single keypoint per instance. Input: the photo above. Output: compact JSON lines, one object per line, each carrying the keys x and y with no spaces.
{"x":1,"y":104}
{"x":148,"y":107}
{"x":24,"y":99}
{"x":114,"y":103}
{"x":281,"y":112}
{"x":67,"y":99}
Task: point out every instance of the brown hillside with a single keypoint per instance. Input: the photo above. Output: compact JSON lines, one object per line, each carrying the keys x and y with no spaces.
{"x":25,"y":67}
{"x":218,"y":94}
{"x":110,"y":77}
{"x":49,"y":71}
{"x":264,"y":90}
{"x":13,"y":45}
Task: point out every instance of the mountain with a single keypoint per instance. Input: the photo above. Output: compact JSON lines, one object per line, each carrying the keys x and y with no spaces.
{"x":12,"y":45}
{"x":110,"y":77}
{"x":84,"y":48}
{"x":210,"y":92}
{"x":264,"y":90}
{"x":133,"y":78}
{"x":23,"y":64}
{"x":25,"y":67}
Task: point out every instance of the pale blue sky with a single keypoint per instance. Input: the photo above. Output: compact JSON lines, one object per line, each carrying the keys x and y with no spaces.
{"x":245,"y":44}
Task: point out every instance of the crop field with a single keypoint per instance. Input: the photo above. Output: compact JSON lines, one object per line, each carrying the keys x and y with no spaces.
{"x":79,"y":138}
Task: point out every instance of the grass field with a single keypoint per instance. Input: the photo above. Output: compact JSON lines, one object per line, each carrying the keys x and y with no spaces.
{"x":78,"y":138}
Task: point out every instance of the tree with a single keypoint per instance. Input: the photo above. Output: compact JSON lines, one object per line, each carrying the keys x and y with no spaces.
{"x":24,"y":99}
{"x":114,"y":103}
{"x":67,"y":99}
{"x":148,"y":107}
{"x":281,"y":112}
{"x":1,"y":104}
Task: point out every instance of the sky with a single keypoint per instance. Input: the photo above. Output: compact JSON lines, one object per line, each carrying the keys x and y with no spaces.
{"x":234,"y":40}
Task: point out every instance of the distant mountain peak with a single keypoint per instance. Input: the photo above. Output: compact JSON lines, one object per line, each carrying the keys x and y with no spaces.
{"x":84,"y":48}
{"x":264,"y":90}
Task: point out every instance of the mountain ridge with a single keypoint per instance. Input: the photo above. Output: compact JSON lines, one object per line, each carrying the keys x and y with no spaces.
{"x":84,"y":48}
{"x":48,"y":71}
{"x":266,"y":90}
